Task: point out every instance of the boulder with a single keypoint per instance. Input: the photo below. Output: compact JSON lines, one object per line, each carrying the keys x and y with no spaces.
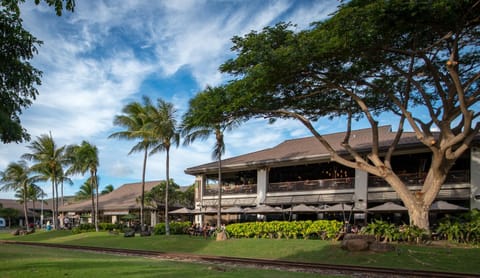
{"x":221,"y":236}
{"x":355,"y":244}
{"x":129,"y":233}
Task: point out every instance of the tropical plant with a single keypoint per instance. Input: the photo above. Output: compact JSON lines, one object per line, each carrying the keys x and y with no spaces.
{"x":109,"y":188}
{"x":49,"y":160}
{"x":85,"y":191}
{"x":163,"y":126}
{"x":17,"y":177}
{"x":206,"y":116}
{"x":83,"y":158}
{"x":134,"y":119}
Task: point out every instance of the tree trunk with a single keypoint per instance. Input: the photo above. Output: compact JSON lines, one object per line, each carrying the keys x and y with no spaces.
{"x":92,"y":197}
{"x":419,"y":218}
{"x":25,"y":206}
{"x":167,"y":224}
{"x":142,"y":198}
{"x":94,"y":176}
{"x":219,"y":208}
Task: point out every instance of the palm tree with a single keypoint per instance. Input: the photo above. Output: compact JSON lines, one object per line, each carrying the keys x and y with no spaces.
{"x":164,"y":129}
{"x":85,"y":191}
{"x":49,"y":159}
{"x":134,"y":119}
{"x":17,"y":177}
{"x":109,"y":188}
{"x":34,"y":194}
{"x":83,"y":158}
{"x":207,"y":115}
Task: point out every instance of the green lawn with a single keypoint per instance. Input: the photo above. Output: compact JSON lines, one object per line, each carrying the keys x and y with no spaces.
{"x":439,"y":258}
{"x":27,"y":261}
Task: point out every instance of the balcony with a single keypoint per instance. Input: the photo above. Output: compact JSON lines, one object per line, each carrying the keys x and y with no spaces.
{"x":310,"y":185}
{"x":415,"y":179}
{"x":237,"y":189}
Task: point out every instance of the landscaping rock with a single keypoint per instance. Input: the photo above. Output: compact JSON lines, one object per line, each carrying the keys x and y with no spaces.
{"x":355,"y":244}
{"x":221,"y":236}
{"x":381,"y":247}
{"x":145,"y":233}
{"x":130,"y":233}
{"x":15,"y":232}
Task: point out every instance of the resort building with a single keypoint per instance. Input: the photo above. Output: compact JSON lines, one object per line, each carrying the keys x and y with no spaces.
{"x":300,"y":172}
{"x":120,"y":205}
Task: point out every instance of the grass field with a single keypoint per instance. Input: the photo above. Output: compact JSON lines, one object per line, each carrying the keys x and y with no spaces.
{"x":438,"y":258}
{"x":27,"y":261}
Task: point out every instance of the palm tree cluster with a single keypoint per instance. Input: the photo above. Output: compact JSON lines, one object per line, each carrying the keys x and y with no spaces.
{"x":152,"y":125}
{"x":155,"y":128}
{"x":53,"y":163}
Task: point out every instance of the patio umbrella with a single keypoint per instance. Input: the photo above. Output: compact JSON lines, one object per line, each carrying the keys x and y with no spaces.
{"x":181,"y":211}
{"x":340,"y":207}
{"x":388,"y":207}
{"x":206,"y":210}
{"x":445,"y":206}
{"x":233,"y":210}
{"x":301,"y":208}
{"x":263,"y":209}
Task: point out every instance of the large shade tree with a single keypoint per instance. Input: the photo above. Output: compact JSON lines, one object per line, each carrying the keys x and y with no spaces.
{"x":206,"y":116}
{"x":164,"y":131}
{"x":416,"y":60}
{"x":48,"y":159}
{"x":84,"y":158}
{"x":18,"y":77}
{"x":18,"y":177}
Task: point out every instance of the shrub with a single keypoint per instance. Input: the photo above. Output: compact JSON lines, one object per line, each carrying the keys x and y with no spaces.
{"x":175,"y":228}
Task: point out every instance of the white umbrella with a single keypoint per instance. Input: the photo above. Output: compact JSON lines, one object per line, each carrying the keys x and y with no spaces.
{"x":388,"y":207}
{"x":445,"y":206}
{"x":301,"y":208}
{"x":263,"y":209}
{"x":181,"y":211}
{"x":233,"y":210}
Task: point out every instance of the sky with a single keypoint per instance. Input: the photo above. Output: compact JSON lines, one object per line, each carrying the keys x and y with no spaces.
{"x":107,"y":54}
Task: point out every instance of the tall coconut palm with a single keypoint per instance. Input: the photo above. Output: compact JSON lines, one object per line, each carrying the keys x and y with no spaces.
{"x":17,"y":177}
{"x":134,"y":119}
{"x":35,"y":193}
{"x":85,"y":191}
{"x":207,"y":115}
{"x":48,"y":159}
{"x":83,"y":158}
{"x":163,"y":125}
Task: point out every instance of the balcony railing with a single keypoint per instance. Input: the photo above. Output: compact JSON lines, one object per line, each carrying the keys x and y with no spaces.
{"x":212,"y":189}
{"x":308,"y":185}
{"x":415,"y":179}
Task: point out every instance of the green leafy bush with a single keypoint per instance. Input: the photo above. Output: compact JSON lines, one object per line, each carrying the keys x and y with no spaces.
{"x":324,"y":229}
{"x":175,"y":228}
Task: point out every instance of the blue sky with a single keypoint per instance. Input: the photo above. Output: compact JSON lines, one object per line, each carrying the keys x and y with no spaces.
{"x":109,"y":53}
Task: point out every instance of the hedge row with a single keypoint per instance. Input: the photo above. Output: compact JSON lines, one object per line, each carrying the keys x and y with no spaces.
{"x":319,"y":229}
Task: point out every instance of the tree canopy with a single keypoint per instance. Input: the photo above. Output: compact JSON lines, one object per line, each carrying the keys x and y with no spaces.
{"x":18,"y":77}
{"x":416,"y":60}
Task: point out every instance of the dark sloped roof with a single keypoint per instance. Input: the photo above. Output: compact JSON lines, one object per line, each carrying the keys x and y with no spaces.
{"x":122,"y":198}
{"x":15,"y":204}
{"x":308,"y":148}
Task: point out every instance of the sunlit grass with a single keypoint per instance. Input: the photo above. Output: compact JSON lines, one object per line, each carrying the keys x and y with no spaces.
{"x":439,"y":258}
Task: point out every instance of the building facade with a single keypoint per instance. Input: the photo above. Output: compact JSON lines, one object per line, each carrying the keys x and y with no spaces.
{"x":300,"y":171}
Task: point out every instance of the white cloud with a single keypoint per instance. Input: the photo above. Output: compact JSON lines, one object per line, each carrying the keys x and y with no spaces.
{"x":100,"y":57}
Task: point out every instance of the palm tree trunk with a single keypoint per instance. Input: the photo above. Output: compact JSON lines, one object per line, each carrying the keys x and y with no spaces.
{"x":56,"y":205}
{"x":167,"y":226}
{"x":92,"y":197}
{"x":25,"y":205}
{"x":219,"y":208}
{"x":142,"y":198}
{"x":96,"y":203}
{"x":54,"y":224}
